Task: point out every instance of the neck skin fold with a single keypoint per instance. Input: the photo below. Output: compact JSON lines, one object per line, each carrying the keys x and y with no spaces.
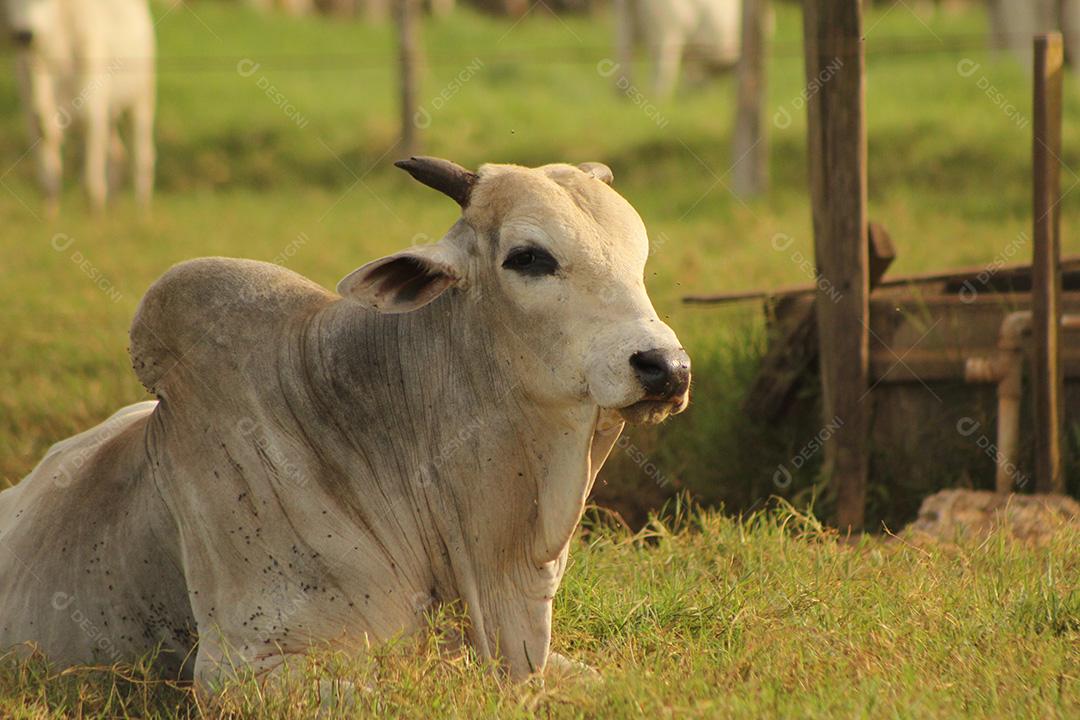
{"x":477,"y":488}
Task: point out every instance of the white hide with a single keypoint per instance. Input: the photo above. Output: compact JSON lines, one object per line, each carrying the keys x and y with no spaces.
{"x":323,"y":469}
{"x":707,"y":32}
{"x":87,"y":62}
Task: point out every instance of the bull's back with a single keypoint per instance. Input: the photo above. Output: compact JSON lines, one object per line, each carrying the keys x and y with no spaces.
{"x":89,"y":561}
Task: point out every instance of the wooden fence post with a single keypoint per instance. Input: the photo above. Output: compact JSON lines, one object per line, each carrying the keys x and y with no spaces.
{"x":750,"y":149}
{"x":409,"y":61}
{"x":1047,"y":377}
{"x":837,"y":159}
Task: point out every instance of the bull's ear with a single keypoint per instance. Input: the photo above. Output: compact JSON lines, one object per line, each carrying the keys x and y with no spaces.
{"x":600,"y":171}
{"x":405,"y":281}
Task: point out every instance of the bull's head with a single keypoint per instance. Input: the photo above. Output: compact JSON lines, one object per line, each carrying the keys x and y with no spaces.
{"x":559,"y":257}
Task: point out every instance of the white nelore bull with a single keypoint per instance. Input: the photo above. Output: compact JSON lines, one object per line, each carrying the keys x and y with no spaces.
{"x":708,"y":32}
{"x":323,"y":469}
{"x":89,"y":61}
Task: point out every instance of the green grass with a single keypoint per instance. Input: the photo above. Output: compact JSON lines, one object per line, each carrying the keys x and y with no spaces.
{"x":706,"y":616}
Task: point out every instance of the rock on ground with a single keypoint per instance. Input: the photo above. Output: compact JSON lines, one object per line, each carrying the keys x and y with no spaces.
{"x":951,"y":514}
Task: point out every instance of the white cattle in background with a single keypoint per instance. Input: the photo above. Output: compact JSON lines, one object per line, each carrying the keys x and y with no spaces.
{"x":89,"y":61}
{"x":1013,"y":23}
{"x":706,"y":32}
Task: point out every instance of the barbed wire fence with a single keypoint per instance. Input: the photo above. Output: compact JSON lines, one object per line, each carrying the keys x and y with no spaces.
{"x":567,"y":54}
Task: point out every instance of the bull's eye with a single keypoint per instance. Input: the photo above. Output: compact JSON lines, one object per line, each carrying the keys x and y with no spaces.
{"x":533,"y":261}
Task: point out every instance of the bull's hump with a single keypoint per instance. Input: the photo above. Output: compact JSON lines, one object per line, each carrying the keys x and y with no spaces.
{"x":214,"y":304}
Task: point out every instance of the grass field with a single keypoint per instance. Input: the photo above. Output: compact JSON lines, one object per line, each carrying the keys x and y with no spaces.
{"x":706,"y":616}
{"x":719,"y":618}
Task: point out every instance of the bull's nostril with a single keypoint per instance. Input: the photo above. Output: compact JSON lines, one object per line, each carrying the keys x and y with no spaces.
{"x":649,"y":367}
{"x":22,"y":37}
{"x":663,"y":374}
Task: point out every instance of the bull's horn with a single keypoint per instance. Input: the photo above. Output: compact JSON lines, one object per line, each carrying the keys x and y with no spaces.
{"x":600,"y":171}
{"x":447,"y":177}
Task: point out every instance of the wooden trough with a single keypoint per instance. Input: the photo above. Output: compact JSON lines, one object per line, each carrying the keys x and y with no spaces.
{"x":929,"y":425}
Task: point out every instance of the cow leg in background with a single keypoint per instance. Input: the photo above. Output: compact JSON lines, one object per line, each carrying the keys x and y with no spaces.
{"x":1070,"y":30}
{"x":667,"y":59}
{"x":117,"y":159}
{"x":97,"y":142}
{"x":625,"y":23}
{"x":1023,"y":19}
{"x":48,"y":127}
{"x":142,"y":138}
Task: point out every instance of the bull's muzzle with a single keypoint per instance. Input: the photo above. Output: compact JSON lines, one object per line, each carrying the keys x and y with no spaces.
{"x":664,"y":374}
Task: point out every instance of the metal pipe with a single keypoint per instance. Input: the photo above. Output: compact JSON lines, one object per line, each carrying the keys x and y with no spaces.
{"x":1006,"y":370}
